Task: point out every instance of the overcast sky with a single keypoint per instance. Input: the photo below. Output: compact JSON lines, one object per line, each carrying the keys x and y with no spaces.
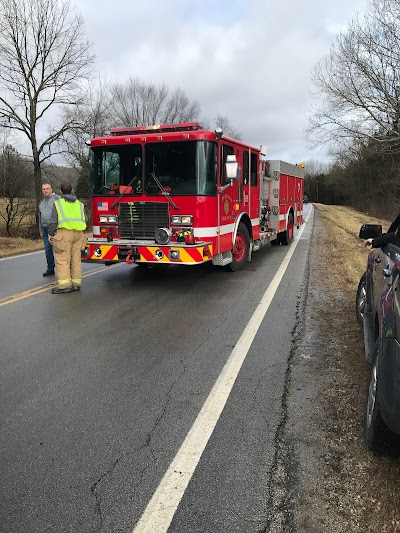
{"x":248,"y":60}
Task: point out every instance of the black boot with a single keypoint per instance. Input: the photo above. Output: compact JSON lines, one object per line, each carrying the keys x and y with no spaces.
{"x":57,"y":290}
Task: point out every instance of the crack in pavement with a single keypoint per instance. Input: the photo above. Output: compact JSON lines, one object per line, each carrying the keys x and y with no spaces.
{"x":284,"y":470}
{"x":147,"y":444}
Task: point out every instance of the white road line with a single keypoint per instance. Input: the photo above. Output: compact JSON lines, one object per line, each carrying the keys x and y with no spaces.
{"x":21,"y":255}
{"x":161,"y":509}
{"x":7,"y":300}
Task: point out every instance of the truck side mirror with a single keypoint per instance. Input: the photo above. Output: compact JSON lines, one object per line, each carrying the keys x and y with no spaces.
{"x":232,"y":168}
{"x":370,"y":231}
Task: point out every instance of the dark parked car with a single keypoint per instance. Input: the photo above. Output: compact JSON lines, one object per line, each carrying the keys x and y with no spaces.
{"x":378,"y":311}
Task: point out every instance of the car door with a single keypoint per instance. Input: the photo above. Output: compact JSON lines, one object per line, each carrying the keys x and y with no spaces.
{"x":389,"y":301}
{"x":387,"y":276}
{"x":381,"y":276}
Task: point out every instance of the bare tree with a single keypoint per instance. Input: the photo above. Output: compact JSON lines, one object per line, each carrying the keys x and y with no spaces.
{"x":44,"y":56}
{"x":366,"y":174}
{"x":15,"y":181}
{"x":313,"y":167}
{"x":179,"y":108}
{"x":136,"y":103}
{"x":92,"y":118}
{"x":359,"y":82}
{"x":315,"y":177}
{"x":225,"y":124}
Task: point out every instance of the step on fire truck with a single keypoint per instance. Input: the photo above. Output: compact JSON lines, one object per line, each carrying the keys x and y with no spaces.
{"x":180,"y":194}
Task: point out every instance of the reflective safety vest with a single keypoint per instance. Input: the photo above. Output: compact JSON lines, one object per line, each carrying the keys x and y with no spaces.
{"x":71,"y":215}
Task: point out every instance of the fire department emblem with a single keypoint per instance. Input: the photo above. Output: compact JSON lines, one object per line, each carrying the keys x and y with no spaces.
{"x":226,"y":207}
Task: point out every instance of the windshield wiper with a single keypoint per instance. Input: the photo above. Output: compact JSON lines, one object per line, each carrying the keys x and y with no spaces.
{"x":165,"y":193}
{"x":125,"y":187}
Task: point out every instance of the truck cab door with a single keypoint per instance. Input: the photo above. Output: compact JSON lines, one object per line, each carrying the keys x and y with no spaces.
{"x":228,"y":194}
{"x":255,"y":176}
{"x":245,"y":180}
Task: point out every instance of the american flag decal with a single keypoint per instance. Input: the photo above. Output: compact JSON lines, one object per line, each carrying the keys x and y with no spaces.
{"x":102,"y":206}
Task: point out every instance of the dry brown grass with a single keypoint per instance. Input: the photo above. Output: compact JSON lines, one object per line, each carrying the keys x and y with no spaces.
{"x":343,"y":224}
{"x":359,"y":491}
{"x":18,"y":245}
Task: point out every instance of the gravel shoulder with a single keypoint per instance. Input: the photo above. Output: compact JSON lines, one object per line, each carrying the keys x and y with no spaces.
{"x":332,"y":482}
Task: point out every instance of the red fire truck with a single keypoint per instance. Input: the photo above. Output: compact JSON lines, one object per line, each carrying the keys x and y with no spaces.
{"x":180,"y":194}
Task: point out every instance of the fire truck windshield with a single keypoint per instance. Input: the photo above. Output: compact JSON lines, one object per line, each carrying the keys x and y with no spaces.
{"x":182,"y":168}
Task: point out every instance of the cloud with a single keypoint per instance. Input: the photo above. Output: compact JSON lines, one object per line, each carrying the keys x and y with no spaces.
{"x":249,"y":60}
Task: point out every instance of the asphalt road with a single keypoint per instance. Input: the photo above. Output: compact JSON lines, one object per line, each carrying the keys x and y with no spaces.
{"x":100,"y":388}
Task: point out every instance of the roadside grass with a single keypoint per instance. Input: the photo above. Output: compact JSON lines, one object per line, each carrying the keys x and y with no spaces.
{"x":343,"y":224}
{"x":360,"y":487}
{"x":18,"y":245}
{"x":23,"y":241}
{"x":10,"y":246}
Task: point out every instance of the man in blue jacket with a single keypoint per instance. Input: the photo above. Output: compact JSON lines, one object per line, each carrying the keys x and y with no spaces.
{"x":45,"y":209}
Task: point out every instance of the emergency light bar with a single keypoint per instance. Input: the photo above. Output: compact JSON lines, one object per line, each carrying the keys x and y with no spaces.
{"x":157,"y":128}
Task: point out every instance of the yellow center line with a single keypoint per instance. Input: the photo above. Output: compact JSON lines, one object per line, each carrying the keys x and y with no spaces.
{"x":43,"y":288}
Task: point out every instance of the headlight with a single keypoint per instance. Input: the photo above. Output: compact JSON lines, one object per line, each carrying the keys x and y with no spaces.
{"x":183,"y":219}
{"x":108,"y":219}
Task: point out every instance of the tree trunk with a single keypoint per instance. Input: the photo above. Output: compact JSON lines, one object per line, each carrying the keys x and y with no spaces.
{"x":37,"y":178}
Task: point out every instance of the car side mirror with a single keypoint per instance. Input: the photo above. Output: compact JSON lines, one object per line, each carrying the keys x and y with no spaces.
{"x":370,"y":231}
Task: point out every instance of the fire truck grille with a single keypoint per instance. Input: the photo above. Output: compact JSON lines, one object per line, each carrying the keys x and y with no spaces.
{"x":140,"y":220}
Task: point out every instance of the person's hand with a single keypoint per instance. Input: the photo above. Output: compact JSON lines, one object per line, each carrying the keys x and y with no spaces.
{"x":50,"y":239}
{"x":368,"y":242}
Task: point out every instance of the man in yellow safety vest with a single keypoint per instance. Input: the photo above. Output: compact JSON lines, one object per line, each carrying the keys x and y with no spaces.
{"x":66,"y":234}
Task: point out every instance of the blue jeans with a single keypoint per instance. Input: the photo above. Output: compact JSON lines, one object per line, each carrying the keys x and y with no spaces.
{"x":48,"y":250}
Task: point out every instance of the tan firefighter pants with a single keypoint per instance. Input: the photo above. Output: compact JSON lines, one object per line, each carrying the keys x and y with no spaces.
{"x":67,"y":246}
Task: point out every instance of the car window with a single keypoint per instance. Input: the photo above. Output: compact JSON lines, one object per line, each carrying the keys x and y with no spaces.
{"x":392,"y":251}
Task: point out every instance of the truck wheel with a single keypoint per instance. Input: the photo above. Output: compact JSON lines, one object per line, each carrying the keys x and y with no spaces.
{"x":376,"y":432}
{"x":240,"y":252}
{"x":361,"y":298}
{"x":286,"y":237}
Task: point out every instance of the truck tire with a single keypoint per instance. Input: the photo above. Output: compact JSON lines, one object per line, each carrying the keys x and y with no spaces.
{"x":361,"y":298}
{"x":240,"y":252}
{"x":376,"y":432}
{"x":286,"y":237}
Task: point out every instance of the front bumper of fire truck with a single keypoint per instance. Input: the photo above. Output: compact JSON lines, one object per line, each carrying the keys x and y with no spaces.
{"x":98,"y":250}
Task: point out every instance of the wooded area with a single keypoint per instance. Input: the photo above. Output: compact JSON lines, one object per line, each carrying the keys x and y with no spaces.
{"x":358,"y":115}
